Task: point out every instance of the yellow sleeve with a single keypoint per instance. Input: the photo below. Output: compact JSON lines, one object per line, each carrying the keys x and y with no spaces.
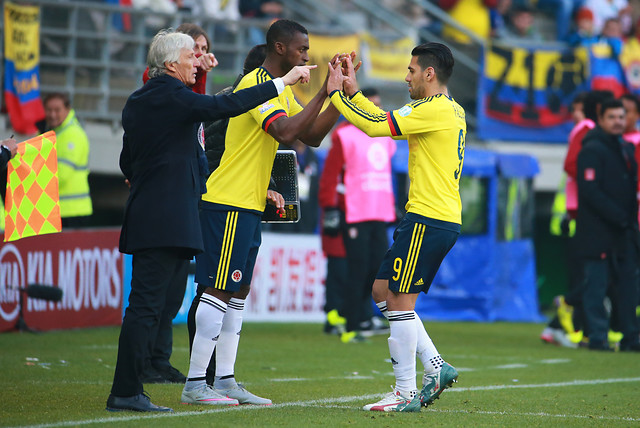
{"x":268,"y":111}
{"x":365,"y":115}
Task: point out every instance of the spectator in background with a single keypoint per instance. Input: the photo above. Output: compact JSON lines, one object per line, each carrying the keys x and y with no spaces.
{"x":605,"y":9}
{"x":631,"y":134}
{"x":612,"y":35}
{"x":72,"y":147}
{"x":584,"y":33}
{"x":471,"y":14}
{"x":271,"y":10}
{"x":521,"y":25}
{"x":607,"y":228}
{"x":364,"y":164}
{"x":561,"y":9}
{"x":577,"y":108}
{"x":498,"y":16}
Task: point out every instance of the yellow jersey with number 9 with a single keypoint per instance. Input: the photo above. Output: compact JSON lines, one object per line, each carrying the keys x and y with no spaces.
{"x":435,"y":128}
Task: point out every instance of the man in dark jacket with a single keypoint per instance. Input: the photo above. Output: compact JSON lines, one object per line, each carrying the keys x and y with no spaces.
{"x":165,"y":164}
{"x":607,"y":228}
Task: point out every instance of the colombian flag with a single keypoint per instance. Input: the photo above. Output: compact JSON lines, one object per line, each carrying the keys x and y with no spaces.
{"x":21,"y":70}
{"x":525,"y":93}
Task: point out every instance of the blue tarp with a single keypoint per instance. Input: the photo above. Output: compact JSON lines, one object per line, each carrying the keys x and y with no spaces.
{"x":483,"y":279}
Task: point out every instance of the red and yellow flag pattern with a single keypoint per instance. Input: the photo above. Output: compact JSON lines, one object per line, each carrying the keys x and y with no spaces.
{"x":32,"y":205}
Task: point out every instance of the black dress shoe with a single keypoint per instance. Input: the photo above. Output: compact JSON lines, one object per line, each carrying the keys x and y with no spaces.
{"x":151,"y":375}
{"x":171,"y":375}
{"x":137,"y":403}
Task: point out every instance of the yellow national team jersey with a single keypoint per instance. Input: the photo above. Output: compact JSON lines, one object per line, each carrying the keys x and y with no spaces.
{"x":435,"y":128}
{"x":242,"y":179}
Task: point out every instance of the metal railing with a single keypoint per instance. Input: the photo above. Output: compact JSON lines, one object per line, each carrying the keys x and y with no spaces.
{"x":99,"y":64}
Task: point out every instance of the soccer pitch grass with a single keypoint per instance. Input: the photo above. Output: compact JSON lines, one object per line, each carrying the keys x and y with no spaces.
{"x":508,"y":378}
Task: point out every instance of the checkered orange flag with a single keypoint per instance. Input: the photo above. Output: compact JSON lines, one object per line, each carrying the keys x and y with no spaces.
{"x":32,"y":205}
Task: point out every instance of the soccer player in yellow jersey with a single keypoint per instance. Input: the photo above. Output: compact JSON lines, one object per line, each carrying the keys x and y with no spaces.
{"x":231,"y":211}
{"x":434,"y":124}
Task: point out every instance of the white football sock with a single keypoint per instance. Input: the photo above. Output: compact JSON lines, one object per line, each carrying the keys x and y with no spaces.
{"x":383,"y":308}
{"x":402,"y":347}
{"x":209,"y":317}
{"x":227,"y":348}
{"x":425,"y":348}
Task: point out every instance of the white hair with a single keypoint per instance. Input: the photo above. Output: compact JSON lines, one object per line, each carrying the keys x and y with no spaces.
{"x":166,"y":46}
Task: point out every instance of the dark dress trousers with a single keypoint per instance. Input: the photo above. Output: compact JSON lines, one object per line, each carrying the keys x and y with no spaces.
{"x":165,"y":164}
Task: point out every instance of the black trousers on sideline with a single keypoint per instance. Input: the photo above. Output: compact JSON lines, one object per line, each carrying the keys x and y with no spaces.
{"x":335,"y":283}
{"x":163,"y":344}
{"x":154,"y":272}
{"x":622,"y":273}
{"x":365,"y":243}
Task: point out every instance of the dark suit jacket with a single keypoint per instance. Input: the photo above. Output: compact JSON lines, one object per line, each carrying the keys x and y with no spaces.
{"x":161,"y":158}
{"x":607,"y":204}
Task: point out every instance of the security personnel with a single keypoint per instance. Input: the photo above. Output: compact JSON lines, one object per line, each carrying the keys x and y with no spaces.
{"x":607,"y":227}
{"x":72,"y":147}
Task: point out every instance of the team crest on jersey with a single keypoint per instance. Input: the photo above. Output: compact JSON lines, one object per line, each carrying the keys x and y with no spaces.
{"x":201,"y":136}
{"x":236,"y":276}
{"x":405,"y":111}
{"x":264,"y":107}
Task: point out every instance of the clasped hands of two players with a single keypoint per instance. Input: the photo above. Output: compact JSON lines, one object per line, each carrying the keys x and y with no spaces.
{"x":341,"y":74}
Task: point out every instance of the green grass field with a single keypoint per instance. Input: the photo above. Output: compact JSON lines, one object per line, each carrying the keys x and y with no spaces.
{"x":508,"y":378}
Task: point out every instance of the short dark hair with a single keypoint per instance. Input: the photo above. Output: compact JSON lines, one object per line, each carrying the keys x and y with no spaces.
{"x":60,"y":95}
{"x":633,"y":98}
{"x":195,"y":31}
{"x":370,"y":92}
{"x":610,"y":103}
{"x":283,"y":31}
{"x":254,"y":58}
{"x":435,"y":55}
{"x":579,"y":98}
{"x":591,"y":102}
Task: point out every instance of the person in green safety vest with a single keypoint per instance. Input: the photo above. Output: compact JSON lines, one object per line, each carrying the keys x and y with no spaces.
{"x":72,"y":147}
{"x":561,"y":223}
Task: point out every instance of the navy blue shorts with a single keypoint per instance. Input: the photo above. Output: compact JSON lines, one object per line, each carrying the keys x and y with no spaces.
{"x":231,"y":243}
{"x":419,"y":246}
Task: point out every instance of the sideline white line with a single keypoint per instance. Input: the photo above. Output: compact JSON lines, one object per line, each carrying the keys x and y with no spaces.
{"x":542,"y":414}
{"x":323,"y":402}
{"x":505,"y":413}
